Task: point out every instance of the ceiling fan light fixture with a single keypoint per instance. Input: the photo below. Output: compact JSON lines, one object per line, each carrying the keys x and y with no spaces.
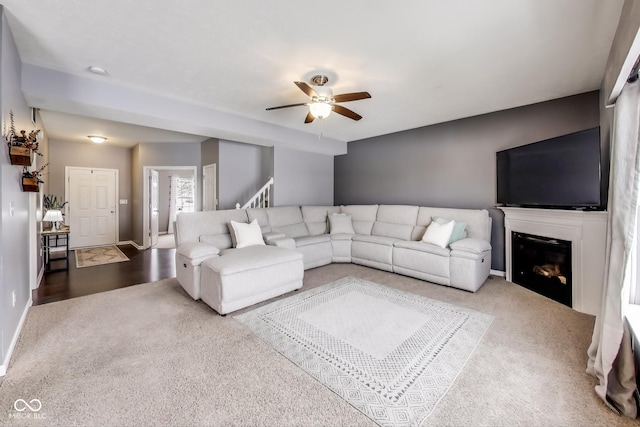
{"x":320,"y":110}
{"x":97,"y":139}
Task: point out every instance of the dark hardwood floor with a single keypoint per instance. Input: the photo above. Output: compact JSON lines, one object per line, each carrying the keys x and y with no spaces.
{"x":143,"y":266}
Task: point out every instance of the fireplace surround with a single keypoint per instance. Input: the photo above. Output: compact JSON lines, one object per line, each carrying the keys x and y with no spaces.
{"x":584,"y":231}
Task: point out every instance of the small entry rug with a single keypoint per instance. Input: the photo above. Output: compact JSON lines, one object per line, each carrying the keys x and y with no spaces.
{"x":391,"y":354}
{"x":89,"y":257}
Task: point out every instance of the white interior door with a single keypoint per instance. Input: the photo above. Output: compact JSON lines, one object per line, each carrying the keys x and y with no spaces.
{"x":154,"y":207}
{"x":92,"y":207}
{"x":209,"y":195}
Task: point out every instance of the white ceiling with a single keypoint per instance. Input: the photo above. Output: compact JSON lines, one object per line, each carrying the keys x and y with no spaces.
{"x":423,"y":61}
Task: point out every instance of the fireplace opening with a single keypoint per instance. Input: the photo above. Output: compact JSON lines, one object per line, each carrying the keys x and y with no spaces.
{"x":542,"y":265}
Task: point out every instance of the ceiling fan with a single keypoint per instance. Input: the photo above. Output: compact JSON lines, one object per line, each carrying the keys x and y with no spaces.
{"x":323,"y":101}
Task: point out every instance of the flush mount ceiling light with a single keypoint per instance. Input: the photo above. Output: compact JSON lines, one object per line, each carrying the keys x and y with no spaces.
{"x":97,"y":70}
{"x":97,"y":139}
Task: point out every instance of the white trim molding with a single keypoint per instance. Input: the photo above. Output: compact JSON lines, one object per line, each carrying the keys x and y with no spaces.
{"x":5,"y":363}
{"x":587,"y":232}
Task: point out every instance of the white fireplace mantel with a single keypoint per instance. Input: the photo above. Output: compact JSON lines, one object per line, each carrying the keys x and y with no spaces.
{"x":587,"y":232}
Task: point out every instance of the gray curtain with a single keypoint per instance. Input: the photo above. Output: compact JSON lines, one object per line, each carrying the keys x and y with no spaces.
{"x":610,"y":354}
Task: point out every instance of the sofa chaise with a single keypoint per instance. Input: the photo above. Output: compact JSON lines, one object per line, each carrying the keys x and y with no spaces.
{"x":296,"y":238}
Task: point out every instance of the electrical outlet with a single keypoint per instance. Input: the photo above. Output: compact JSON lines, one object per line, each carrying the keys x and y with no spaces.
{"x":13,"y":297}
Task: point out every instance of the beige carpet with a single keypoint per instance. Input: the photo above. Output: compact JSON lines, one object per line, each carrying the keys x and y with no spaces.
{"x":89,"y":257}
{"x":149,"y":355}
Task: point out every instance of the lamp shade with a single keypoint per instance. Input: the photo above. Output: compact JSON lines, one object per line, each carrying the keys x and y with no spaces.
{"x":320,"y":110}
{"x":52,"y":215}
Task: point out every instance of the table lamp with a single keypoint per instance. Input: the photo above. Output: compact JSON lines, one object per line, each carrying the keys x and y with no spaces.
{"x":53,"y":216}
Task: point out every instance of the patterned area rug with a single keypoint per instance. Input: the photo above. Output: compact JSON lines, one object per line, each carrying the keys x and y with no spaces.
{"x":89,"y":257}
{"x":391,"y":354}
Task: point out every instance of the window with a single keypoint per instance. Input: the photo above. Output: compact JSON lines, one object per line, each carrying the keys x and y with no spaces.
{"x":185,"y":195}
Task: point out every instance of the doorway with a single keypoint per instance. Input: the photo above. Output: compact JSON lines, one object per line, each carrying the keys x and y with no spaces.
{"x":209,"y":190}
{"x":177,"y":191}
{"x":92,"y":212}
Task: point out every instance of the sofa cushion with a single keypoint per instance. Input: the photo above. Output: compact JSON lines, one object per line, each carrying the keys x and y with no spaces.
{"x":343,"y":237}
{"x":475,"y":246}
{"x":316,"y":218}
{"x":251,"y":258}
{"x":246,"y":234}
{"x":287,"y":219}
{"x":272,"y":235}
{"x":362,"y":217}
{"x":340,"y":223}
{"x":191,"y":225}
{"x":197,"y":252}
{"x":424,"y":247}
{"x":220,"y":241}
{"x":379,"y":240}
{"x":261,"y":215}
{"x":395,"y":221}
{"x":312,"y":240}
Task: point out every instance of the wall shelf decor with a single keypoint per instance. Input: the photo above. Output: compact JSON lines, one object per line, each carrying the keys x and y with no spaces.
{"x":21,"y":145}
{"x":30,"y":185}
{"x":20,"y":156}
{"x":31,"y":179}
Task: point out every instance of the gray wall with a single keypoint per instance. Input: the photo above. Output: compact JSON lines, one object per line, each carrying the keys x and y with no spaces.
{"x":100,"y":156}
{"x":242,"y":170}
{"x":302,"y":178}
{"x":15,"y":228}
{"x":165,"y":154}
{"x":453,"y":164}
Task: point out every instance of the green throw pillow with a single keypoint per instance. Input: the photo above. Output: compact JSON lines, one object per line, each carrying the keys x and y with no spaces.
{"x":458,"y":228}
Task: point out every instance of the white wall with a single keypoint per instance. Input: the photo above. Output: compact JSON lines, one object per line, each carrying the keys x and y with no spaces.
{"x":15,"y":224}
{"x":302,"y":178}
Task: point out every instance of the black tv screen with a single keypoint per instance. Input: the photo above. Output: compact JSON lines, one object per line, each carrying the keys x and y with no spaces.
{"x":562,"y":172}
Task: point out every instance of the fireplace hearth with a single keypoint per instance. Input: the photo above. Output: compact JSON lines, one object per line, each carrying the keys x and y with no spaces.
{"x":542,"y":265}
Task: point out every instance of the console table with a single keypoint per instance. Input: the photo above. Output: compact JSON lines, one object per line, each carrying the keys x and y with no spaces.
{"x":55,"y":245}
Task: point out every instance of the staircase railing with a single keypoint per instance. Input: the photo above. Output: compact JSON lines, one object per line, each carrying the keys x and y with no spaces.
{"x":260,"y":199}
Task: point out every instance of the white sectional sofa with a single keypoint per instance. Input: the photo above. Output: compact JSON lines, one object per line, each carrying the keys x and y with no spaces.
{"x":386,"y":237}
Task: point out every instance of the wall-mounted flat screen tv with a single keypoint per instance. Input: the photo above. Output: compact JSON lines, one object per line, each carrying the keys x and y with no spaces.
{"x":562,"y":172}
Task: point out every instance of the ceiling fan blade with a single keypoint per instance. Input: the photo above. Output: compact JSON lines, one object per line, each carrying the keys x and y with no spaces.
{"x":346,"y":97}
{"x":346,"y":112}
{"x":285,"y":106}
{"x":309,"y":118}
{"x":306,"y":89}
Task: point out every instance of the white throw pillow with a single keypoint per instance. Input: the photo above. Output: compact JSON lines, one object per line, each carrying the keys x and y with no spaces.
{"x":438,"y":234}
{"x":340,"y":224}
{"x":247,"y":234}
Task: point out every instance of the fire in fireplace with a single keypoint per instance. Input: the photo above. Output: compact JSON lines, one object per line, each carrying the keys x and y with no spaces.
{"x":542,"y":265}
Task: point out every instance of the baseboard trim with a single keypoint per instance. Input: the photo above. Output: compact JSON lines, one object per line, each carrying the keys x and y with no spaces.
{"x":498,"y":273}
{"x":132,"y":243}
{"x":40,"y":277}
{"x":5,"y":363}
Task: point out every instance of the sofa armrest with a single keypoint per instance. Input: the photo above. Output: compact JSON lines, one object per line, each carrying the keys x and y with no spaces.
{"x":272,"y":235}
{"x":283,"y":242}
{"x":197,"y":252}
{"x":474,"y":246}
